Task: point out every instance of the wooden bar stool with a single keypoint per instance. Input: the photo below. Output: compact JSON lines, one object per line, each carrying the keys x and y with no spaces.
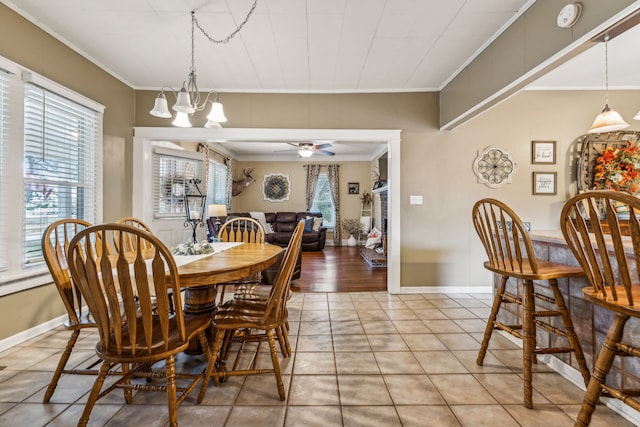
{"x":511,"y":255}
{"x":595,"y":225}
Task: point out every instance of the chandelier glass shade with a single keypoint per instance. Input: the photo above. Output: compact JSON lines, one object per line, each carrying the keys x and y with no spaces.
{"x":189,"y":100}
{"x":608,"y":120}
{"x":306,"y":153}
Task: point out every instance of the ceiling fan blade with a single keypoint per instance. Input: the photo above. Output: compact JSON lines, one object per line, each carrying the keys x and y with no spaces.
{"x":325,"y":152}
{"x":322,"y":146}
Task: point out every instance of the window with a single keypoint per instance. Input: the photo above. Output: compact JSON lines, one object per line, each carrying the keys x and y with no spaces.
{"x":217,"y":185}
{"x":59,"y":164}
{"x":323,"y":201}
{"x":51,"y":148}
{"x":172,"y":170}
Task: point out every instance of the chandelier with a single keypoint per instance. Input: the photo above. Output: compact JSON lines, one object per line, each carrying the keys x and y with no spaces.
{"x":188,"y":99}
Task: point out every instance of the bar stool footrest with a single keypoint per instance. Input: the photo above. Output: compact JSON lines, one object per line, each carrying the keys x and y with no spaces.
{"x":552,"y":350}
{"x":511,"y":329}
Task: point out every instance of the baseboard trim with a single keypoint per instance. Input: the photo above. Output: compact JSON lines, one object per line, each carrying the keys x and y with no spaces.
{"x":446,"y":289}
{"x":27,"y":334}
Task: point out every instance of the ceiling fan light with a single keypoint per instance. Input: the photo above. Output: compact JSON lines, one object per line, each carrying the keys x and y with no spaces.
{"x":305,"y":153}
{"x":211,"y":124}
{"x":161,"y":108}
{"x":608,"y":121}
{"x":183,"y":103}
{"x":217,"y":113}
{"x":182,"y":120}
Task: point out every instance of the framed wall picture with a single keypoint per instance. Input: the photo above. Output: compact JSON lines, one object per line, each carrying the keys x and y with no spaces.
{"x":354,"y":188}
{"x":543,"y":152}
{"x":545,"y":183}
{"x":276,"y":187}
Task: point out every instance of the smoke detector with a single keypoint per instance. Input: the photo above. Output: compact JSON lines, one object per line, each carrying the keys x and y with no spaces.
{"x":569,"y":15}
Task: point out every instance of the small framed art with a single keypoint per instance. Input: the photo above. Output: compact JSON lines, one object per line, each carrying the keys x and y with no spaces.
{"x":544,"y":183}
{"x":543,"y":152}
{"x":354,"y":188}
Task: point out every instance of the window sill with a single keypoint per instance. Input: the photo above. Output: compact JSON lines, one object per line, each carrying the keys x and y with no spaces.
{"x":18,"y":283}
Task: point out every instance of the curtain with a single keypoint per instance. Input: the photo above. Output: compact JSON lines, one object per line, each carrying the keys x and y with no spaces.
{"x":231,"y":170}
{"x":312,"y":180}
{"x":332,"y":171}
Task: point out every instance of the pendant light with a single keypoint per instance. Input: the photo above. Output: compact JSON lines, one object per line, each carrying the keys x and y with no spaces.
{"x":608,"y":120}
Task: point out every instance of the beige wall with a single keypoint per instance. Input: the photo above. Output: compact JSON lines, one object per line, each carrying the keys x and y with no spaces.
{"x":34,"y":49}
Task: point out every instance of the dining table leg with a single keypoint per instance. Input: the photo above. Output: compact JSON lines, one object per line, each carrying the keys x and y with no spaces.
{"x":199,"y":300}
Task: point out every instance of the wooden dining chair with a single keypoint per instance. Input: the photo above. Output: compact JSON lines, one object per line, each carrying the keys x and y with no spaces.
{"x":511,"y":255}
{"x":135,"y":330}
{"x":269,"y":316}
{"x":240,"y":229}
{"x":129,"y":245}
{"x":55,"y":243}
{"x":606,"y":243}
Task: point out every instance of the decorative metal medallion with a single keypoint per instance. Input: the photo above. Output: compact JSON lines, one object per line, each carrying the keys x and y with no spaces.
{"x":276,"y":187}
{"x":494,"y":167}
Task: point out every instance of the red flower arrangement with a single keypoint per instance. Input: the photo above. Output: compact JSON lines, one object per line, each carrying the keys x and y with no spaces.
{"x":618,"y":169}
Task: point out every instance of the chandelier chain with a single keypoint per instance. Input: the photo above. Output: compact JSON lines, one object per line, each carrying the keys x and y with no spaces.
{"x":230,"y":36}
{"x":606,"y":68}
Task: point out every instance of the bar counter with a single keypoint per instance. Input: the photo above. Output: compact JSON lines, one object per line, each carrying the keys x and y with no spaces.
{"x":591,"y":322}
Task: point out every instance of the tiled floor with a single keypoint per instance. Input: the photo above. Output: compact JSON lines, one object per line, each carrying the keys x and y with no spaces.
{"x":361,"y":359}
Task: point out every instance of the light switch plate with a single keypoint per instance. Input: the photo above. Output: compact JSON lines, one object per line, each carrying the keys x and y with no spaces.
{"x":415,"y":200}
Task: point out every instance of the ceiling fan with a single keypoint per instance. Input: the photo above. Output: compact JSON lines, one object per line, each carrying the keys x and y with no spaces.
{"x":307,"y":149}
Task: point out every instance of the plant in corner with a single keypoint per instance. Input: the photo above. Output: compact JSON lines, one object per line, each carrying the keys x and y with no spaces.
{"x":353,"y":226}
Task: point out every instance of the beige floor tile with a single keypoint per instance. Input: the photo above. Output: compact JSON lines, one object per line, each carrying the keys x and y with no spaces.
{"x":513,"y":360}
{"x":387,"y":342}
{"x":557,"y":389}
{"x":27,"y":357}
{"x":22,"y":385}
{"x":429,"y":314}
{"x":356,"y":363}
{"x":80,"y":359}
{"x":320,"y":390}
{"x":314,"y":416}
{"x":442,"y":326}
{"x":481,"y":312}
{"x":314,"y":316}
{"x":461,"y":389}
{"x":551,"y":415}
{"x":4,"y":407}
{"x":423,"y":342}
{"x":343,"y":315}
{"x":458,"y":313}
{"x":256,"y":416}
{"x":342,"y":305}
{"x":507,"y":389}
{"x":364,"y":416}
{"x":415,"y":416}
{"x":471,"y":325}
{"x":70,"y":388}
{"x":315,"y":328}
{"x":315,"y":305}
{"x":401,"y":314}
{"x":351,"y":343}
{"x":459,"y":341}
{"x":31,"y":414}
{"x":421,"y":303}
{"x":352,"y":386}
{"x":412,"y":390}
{"x":601,"y":417}
{"x":100,"y":415}
{"x":393,"y":304}
{"x":410,"y":326}
{"x":223,"y":394}
{"x":376,"y":314}
{"x":261,"y":390}
{"x":378,"y":327}
{"x":314,"y":363}
{"x":471,"y":302}
{"x":445,"y":303}
{"x":490,"y":364}
{"x":398,"y":362}
{"x":440,"y":362}
{"x":499,"y":341}
{"x":314,"y":343}
{"x":484,"y":416}
{"x":198,"y":415}
{"x":346,"y":327}
{"x":366,"y":305}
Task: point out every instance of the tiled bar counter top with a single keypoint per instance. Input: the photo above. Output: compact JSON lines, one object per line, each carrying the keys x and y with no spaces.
{"x":591,"y":322}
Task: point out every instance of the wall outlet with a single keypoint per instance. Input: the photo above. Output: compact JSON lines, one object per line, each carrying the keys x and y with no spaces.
{"x":415,"y":200}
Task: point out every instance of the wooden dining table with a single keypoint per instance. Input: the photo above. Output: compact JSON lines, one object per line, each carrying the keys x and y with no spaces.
{"x":200,"y":278}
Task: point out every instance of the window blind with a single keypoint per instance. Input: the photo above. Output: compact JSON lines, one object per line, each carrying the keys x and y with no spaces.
{"x":4,"y":130}
{"x":217,"y":185}
{"x":172,"y":170}
{"x":60,"y":163}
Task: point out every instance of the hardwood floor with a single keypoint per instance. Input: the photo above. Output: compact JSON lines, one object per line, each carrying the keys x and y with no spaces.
{"x":338,"y":269}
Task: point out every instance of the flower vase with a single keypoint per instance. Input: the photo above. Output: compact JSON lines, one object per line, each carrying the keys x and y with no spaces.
{"x":351,"y":241}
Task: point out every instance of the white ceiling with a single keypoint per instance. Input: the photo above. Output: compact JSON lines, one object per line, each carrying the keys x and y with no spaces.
{"x":324,"y":46}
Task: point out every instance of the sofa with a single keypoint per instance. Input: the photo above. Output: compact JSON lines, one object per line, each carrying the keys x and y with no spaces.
{"x":283,"y":224}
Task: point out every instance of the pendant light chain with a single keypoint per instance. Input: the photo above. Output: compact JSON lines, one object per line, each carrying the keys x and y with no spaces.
{"x":230,"y":36}
{"x":606,"y":69}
